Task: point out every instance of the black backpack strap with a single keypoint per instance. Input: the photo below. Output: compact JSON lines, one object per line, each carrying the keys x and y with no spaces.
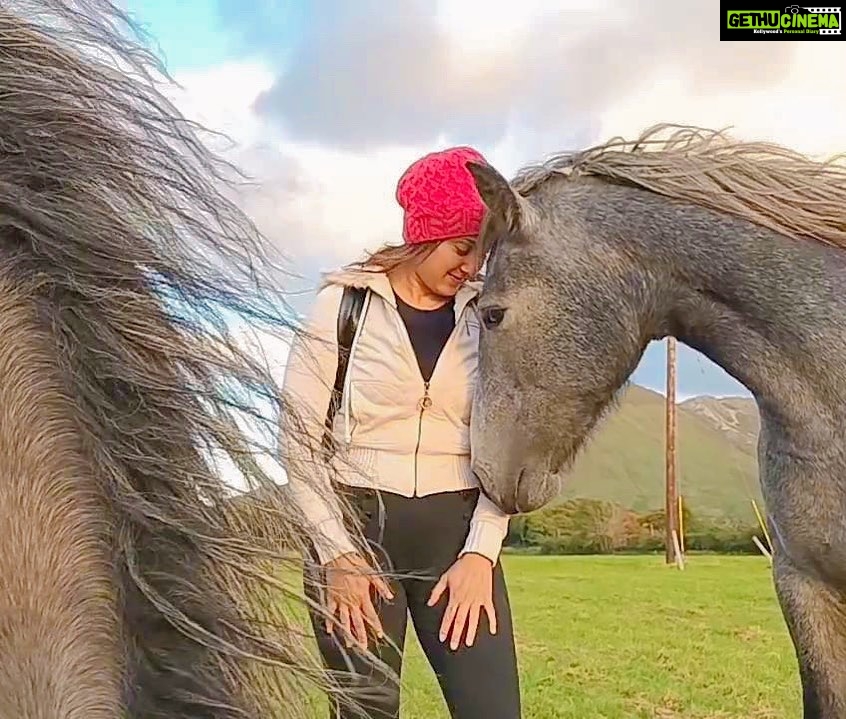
{"x":349,"y":313}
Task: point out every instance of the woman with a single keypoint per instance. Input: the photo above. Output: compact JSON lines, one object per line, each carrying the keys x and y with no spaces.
{"x":404,"y":426}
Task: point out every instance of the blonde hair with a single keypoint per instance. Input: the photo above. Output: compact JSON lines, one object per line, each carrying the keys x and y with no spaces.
{"x":388,"y":257}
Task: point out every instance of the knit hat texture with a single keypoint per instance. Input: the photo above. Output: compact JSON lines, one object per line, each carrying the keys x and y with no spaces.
{"x":439,"y":197}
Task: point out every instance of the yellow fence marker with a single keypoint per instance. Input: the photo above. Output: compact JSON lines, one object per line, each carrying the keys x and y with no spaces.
{"x":763,"y":525}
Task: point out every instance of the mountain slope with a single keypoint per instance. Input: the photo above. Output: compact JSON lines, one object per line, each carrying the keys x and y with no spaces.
{"x":717,"y":467}
{"x":736,"y":417}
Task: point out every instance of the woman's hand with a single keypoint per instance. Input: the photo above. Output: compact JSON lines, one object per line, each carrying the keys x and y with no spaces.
{"x":349,"y":580}
{"x":470,"y":584}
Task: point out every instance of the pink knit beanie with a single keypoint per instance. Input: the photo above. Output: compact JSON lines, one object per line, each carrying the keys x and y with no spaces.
{"x":439,"y":197}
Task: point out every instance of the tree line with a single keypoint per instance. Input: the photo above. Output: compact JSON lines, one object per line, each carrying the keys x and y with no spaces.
{"x":592,"y":526}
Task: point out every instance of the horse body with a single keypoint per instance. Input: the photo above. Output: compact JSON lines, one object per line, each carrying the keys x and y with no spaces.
{"x":58,"y":628}
{"x":133,"y":581}
{"x":586,"y":270}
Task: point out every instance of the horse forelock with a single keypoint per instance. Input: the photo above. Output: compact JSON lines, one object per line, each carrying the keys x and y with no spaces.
{"x":116,"y":223}
{"x":762,"y":182}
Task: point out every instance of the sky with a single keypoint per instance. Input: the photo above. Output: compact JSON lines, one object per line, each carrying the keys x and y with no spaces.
{"x":328,"y":101}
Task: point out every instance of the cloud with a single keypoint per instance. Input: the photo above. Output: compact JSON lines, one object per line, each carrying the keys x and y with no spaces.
{"x":283,"y":191}
{"x":323,"y":199}
{"x":406,"y":75}
{"x":319,"y":206}
{"x":803,"y":111}
{"x":325,"y":189}
{"x":391,"y":68}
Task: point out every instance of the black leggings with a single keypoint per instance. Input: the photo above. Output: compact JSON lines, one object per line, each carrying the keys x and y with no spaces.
{"x":424,"y":535}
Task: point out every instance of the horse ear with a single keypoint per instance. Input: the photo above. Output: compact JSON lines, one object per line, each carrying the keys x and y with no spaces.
{"x":499,"y":197}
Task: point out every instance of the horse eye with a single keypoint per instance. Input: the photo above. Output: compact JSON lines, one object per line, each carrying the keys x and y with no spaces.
{"x":492,"y":316}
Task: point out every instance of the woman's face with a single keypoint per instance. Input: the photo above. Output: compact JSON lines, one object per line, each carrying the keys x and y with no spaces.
{"x":449,"y":266}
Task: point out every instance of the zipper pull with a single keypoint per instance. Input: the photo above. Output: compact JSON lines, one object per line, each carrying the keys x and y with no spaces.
{"x":425,"y":401}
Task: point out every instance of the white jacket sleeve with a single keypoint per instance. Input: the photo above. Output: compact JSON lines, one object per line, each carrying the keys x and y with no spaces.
{"x":309,"y":377}
{"x":488,"y":529}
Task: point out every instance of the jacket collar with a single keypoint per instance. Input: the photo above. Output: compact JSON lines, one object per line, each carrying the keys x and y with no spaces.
{"x":377,"y":281}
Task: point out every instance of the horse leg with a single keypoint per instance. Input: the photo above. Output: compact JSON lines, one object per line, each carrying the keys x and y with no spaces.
{"x":815,"y":614}
{"x":809,"y":572}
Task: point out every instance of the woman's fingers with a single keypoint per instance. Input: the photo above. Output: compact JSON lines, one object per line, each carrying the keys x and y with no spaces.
{"x":437,"y":591}
{"x":344,"y":616}
{"x":472,"y":624}
{"x":356,"y":612}
{"x":382,"y":587}
{"x":446,"y":622}
{"x":372,"y":618}
{"x":331,"y":608}
{"x":359,"y":630}
{"x":491,"y":612}
{"x":459,"y":624}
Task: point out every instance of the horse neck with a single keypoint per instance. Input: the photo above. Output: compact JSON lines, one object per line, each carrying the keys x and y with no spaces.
{"x":57,"y":609}
{"x":766,"y":308}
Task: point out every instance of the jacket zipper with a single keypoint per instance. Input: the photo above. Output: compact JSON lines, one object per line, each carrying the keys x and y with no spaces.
{"x":425,"y":401}
{"x":423,"y":404}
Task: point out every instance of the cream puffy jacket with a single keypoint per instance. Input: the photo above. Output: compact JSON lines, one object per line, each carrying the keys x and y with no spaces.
{"x":396,"y":432}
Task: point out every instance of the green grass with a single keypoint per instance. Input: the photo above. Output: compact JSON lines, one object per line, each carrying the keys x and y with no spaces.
{"x":628,"y":637}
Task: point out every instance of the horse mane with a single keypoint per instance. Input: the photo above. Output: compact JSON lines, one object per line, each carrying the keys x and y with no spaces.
{"x":117,"y":222}
{"x":762,"y":182}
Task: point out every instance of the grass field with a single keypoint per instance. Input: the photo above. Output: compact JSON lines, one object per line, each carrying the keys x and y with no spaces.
{"x":625,"y":637}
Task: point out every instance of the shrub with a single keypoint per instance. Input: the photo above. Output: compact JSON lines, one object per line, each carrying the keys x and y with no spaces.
{"x":591,"y":526}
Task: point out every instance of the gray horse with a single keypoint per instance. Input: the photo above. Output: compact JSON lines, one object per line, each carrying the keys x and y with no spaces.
{"x":133,"y":582}
{"x":734,"y":248}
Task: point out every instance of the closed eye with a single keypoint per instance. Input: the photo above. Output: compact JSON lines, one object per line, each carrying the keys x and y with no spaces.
{"x":492,"y":316}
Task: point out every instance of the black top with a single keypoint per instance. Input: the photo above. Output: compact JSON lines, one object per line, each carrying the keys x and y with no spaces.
{"x":428,"y":331}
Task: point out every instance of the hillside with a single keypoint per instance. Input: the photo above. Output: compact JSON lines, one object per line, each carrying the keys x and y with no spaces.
{"x":717,"y":467}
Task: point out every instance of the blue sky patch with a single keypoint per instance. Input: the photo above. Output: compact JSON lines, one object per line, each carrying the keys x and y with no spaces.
{"x":194,"y":34}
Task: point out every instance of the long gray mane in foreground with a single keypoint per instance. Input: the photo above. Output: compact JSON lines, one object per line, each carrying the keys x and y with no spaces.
{"x":116,"y":225}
